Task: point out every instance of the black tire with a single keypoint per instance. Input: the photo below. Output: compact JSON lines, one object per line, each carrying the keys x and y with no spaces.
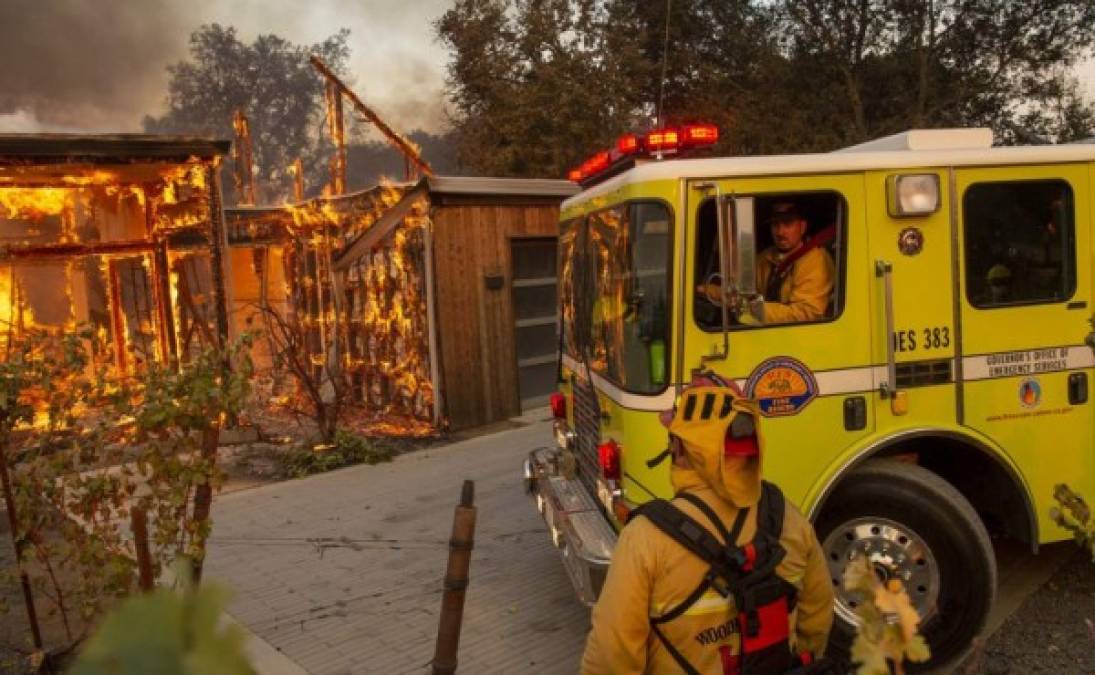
{"x":945,"y":522}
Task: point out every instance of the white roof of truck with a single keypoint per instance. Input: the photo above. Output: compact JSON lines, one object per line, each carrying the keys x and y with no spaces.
{"x":917,"y":148}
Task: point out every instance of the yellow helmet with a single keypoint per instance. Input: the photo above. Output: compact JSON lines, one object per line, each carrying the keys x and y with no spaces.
{"x":717,"y":429}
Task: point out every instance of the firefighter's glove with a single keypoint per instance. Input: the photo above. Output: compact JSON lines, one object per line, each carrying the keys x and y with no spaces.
{"x":756,"y":308}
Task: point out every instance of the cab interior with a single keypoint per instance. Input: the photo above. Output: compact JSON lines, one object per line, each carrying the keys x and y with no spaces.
{"x":822,"y":211}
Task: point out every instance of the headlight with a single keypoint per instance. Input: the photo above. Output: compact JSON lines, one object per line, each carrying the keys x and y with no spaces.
{"x":912,"y":194}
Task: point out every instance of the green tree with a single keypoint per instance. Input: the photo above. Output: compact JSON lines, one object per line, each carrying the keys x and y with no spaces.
{"x":881,"y":66}
{"x":272,"y":81}
{"x":537,"y":85}
{"x":714,"y":61}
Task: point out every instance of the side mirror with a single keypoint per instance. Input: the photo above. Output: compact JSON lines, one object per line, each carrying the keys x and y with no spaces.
{"x":741,"y":215}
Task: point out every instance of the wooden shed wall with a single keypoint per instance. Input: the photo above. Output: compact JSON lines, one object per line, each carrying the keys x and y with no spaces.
{"x":476,"y":324}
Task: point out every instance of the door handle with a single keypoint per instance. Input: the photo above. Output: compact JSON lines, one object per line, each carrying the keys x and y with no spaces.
{"x":884,"y":270}
{"x":888,"y":389}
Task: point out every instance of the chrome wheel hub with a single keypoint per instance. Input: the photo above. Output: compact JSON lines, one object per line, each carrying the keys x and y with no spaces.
{"x":895,"y":552}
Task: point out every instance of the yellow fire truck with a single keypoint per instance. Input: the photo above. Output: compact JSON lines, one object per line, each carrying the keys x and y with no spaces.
{"x":926,"y":412}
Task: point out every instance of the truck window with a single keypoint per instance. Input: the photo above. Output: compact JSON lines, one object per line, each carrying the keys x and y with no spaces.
{"x":798,"y":267}
{"x":569,"y":247}
{"x":1020,"y":245}
{"x":614,"y":290}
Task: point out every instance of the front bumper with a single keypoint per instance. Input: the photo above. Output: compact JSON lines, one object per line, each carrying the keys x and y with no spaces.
{"x":578,"y":528}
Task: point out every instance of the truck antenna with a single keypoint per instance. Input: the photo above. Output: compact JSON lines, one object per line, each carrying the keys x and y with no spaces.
{"x":665,"y":64}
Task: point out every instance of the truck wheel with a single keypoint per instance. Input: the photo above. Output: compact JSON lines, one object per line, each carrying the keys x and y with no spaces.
{"x":917,"y":528}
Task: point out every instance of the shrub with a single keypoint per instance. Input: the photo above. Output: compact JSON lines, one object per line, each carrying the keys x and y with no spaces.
{"x":348,"y":449}
{"x":1075,"y":516}
{"x":167,"y":632}
{"x":887,"y":631}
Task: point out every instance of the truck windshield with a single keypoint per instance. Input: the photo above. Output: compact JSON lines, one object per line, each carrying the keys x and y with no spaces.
{"x":614,"y":283}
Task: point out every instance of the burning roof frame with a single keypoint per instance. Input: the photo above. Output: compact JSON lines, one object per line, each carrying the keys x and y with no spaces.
{"x":314,"y":234}
{"x":31,"y":162}
{"x":269,"y":225}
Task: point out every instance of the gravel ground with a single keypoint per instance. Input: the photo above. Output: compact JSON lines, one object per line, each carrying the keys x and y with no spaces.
{"x":1052,"y":632}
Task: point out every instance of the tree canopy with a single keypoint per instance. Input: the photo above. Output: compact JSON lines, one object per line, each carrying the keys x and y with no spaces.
{"x":271,"y":80}
{"x":536,"y":85}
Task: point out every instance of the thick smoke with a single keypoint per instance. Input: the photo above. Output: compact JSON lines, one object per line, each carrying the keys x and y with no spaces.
{"x":88,"y":64}
{"x":100,"y":65}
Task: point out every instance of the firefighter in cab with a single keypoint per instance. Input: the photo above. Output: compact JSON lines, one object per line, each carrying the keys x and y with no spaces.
{"x":727,"y":577}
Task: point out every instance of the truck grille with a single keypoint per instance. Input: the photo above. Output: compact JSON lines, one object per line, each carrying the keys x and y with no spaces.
{"x":587,"y":428}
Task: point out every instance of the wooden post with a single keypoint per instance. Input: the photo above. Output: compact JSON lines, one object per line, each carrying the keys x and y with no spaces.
{"x":297,"y":170}
{"x":203,"y":494}
{"x":139,"y":525}
{"x":431,"y":316}
{"x":456,"y":582}
{"x":217,"y":243}
{"x":13,"y":522}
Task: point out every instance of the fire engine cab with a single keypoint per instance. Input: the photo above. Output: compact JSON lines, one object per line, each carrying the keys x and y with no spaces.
{"x":925,"y":408}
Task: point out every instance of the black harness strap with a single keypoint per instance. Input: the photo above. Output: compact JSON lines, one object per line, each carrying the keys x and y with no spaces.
{"x":708,"y":579}
{"x":726,"y":560}
{"x":685,"y":531}
{"x":687,"y":667}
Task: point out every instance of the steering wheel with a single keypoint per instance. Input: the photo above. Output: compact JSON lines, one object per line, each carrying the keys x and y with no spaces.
{"x":706,"y":310}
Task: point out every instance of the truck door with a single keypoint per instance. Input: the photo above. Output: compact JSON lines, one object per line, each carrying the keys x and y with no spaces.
{"x":912,"y":303}
{"x":811,"y":371}
{"x":1025,"y":309}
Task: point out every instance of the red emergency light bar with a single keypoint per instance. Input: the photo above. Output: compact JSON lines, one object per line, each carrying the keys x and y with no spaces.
{"x":595,"y":164}
{"x":699,"y":134}
{"x":656,"y":143}
{"x":661,"y":140}
{"x":628,"y":144}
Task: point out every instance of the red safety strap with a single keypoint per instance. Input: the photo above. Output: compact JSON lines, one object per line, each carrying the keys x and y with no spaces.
{"x":822,"y":238}
{"x":750,"y":557}
{"x":775,"y":626}
{"x":731,"y":662}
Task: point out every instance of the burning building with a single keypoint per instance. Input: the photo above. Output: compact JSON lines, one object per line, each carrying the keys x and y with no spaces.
{"x":120,"y":234}
{"x":437,"y":297}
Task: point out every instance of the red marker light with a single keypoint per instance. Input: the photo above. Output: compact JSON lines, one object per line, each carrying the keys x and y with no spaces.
{"x":661,"y":140}
{"x":559,"y":405}
{"x":628,"y":144}
{"x":699,"y":134}
{"x":575,"y":175}
{"x":599,"y":162}
{"x":608,"y":453}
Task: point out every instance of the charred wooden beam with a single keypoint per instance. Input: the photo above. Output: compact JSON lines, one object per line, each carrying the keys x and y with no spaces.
{"x":241,"y":151}
{"x":336,"y":128}
{"x":162,"y":285}
{"x":380,"y":229}
{"x":297,"y":170}
{"x":71,"y":250}
{"x":117,"y":317}
{"x":24,"y":149}
{"x":396,"y":139}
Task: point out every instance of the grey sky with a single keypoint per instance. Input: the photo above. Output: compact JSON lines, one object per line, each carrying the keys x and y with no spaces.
{"x":99,"y":65}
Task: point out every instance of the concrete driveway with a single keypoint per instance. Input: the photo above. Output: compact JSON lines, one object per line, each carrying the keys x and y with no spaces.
{"x":342,"y":572}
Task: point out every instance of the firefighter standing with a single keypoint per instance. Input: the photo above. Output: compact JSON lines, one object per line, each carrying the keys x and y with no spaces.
{"x":666,"y":609}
